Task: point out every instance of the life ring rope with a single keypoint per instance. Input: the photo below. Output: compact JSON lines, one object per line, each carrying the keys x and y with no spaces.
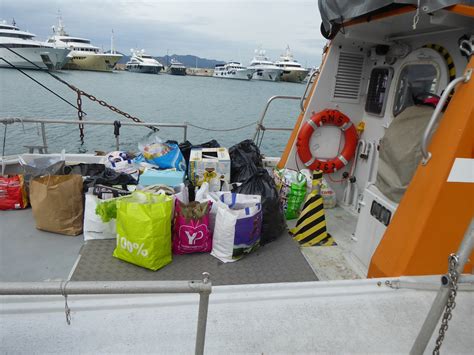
{"x":317,"y":120}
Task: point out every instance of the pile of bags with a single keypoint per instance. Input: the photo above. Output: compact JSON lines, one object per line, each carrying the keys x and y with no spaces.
{"x":160,"y":202}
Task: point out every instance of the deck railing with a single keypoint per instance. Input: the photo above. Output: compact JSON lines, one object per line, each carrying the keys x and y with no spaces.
{"x":65,"y":288}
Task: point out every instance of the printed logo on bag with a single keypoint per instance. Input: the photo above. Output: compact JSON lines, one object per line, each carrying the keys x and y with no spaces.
{"x":193,"y":235}
{"x":133,"y":248}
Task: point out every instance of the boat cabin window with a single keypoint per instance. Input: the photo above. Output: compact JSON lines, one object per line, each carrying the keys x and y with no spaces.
{"x":378,"y":90}
{"x":415,"y":79}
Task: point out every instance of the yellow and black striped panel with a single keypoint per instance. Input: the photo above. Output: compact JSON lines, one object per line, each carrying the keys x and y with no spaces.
{"x":310,"y":228}
{"x":447,"y":57}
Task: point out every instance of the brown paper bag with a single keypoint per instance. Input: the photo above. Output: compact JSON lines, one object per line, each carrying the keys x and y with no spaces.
{"x":57,"y":204}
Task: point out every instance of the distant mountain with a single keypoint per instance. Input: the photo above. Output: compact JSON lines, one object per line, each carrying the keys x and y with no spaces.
{"x":189,"y":61}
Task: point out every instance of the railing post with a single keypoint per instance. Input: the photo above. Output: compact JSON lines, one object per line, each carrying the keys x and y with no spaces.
{"x":202,"y":316}
{"x":43,"y":134}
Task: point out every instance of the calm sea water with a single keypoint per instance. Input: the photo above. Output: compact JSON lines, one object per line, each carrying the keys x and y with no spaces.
{"x":204,"y":101}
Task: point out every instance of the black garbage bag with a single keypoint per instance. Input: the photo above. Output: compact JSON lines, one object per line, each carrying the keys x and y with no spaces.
{"x":109,"y":177}
{"x":186,"y":147}
{"x":245,"y":160}
{"x":261,"y":183}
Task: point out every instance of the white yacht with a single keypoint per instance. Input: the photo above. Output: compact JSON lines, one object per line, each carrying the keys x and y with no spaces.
{"x":264,"y":68}
{"x":12,"y":39}
{"x":233,"y":70}
{"x":292,"y":70}
{"x":83,"y":56}
{"x":143,"y":63}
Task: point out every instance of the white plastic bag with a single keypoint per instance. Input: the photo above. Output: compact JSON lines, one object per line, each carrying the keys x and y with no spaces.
{"x":94,"y":228}
{"x":238,"y":226}
{"x":203,"y":195}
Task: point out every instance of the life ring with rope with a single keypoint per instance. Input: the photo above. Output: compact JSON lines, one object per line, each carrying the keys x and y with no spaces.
{"x":331,"y":118}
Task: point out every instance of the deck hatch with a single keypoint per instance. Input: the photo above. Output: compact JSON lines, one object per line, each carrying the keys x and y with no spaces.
{"x":349,"y":76}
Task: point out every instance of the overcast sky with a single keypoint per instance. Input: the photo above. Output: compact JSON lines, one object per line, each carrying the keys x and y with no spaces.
{"x":213,"y":29}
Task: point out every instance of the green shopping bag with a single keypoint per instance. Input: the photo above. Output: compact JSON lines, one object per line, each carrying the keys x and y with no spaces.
{"x":144,"y":230}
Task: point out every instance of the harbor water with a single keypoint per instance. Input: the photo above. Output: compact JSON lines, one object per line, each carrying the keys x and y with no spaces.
{"x":207,"y":102}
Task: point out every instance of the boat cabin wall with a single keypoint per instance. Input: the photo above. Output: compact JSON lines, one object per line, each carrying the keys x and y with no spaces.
{"x":338,"y":88}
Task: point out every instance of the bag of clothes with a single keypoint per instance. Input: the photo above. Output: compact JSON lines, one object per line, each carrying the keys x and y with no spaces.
{"x":191,"y":232}
{"x":238,"y":226}
{"x":144,"y":229}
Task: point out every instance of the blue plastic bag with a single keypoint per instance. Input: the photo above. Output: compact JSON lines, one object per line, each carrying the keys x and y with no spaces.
{"x":163,"y":155}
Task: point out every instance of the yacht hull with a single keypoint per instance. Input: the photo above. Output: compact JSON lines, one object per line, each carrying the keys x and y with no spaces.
{"x":242,"y":74}
{"x":93,"y":62}
{"x":145,"y":69}
{"x":178,"y":71}
{"x":267,"y":74}
{"x":44,"y":57}
{"x":294,"y":76}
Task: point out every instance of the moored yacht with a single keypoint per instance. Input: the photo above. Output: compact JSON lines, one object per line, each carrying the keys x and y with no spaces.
{"x":264,"y":68}
{"x":143,"y":63}
{"x":292,"y":70}
{"x":233,"y":70}
{"x":13,"y":40}
{"x":176,"y":67}
{"x":83,"y":56}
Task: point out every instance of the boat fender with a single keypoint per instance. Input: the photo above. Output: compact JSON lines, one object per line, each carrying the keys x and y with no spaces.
{"x":332,"y":118}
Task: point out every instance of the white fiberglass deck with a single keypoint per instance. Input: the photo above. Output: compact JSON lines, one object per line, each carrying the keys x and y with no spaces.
{"x":293,"y":318}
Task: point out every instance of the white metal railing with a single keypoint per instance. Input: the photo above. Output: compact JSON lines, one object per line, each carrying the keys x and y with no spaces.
{"x":445,"y":292}
{"x":260,"y":126}
{"x":66,"y":288}
{"x":44,"y":121}
{"x":436,"y":114}
{"x":308,"y":84}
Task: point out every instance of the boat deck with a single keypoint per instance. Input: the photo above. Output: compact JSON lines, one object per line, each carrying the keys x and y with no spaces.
{"x":28,"y":254}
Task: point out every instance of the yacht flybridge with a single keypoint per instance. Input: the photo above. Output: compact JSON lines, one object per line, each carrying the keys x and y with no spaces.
{"x":84,"y":55}
{"x":143,"y":63}
{"x":22,"y":42}
{"x":292,"y":70}
{"x":233,"y":70}
{"x":388,"y":119}
{"x":264,"y":68}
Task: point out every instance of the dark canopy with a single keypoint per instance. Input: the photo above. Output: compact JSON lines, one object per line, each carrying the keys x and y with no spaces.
{"x":335,"y":12}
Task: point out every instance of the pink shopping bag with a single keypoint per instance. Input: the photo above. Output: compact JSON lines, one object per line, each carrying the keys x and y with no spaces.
{"x":191,"y":233}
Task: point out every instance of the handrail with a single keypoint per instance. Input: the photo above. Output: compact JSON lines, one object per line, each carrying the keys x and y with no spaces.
{"x":441,"y":299}
{"x":270,"y":100}
{"x":10,"y":120}
{"x":435,"y":116}
{"x":306,"y":89}
{"x":65,"y":288}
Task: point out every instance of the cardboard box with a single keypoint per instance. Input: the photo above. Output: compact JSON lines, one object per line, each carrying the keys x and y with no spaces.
{"x":211,"y":165}
{"x":164,"y":177}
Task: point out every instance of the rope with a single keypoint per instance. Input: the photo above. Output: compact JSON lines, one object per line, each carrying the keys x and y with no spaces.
{"x":220,"y":129}
{"x":416,"y":18}
{"x":67,"y":310}
{"x":36,"y":81}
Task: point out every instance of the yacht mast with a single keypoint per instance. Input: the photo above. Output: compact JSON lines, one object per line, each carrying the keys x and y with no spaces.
{"x":112,"y":49}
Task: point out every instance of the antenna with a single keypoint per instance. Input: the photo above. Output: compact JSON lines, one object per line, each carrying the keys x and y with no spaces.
{"x":112,"y":49}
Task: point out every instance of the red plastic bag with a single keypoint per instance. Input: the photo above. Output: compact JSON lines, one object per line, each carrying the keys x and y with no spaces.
{"x":12,"y":192}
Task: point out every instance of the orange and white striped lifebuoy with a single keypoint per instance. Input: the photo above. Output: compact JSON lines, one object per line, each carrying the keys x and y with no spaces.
{"x":333,"y":118}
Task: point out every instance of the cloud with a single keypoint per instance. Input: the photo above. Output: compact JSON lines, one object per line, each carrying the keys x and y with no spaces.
{"x":225,"y":29}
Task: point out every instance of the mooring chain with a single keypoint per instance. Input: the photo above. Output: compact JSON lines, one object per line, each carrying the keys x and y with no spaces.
{"x":452,"y":277}
{"x":80,"y":115}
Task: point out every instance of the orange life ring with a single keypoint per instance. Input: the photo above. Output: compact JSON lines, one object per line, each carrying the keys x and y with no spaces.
{"x":333,"y":118}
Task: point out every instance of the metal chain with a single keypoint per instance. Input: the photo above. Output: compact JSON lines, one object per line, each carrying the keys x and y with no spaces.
{"x":80,"y":115}
{"x":452,"y":276}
